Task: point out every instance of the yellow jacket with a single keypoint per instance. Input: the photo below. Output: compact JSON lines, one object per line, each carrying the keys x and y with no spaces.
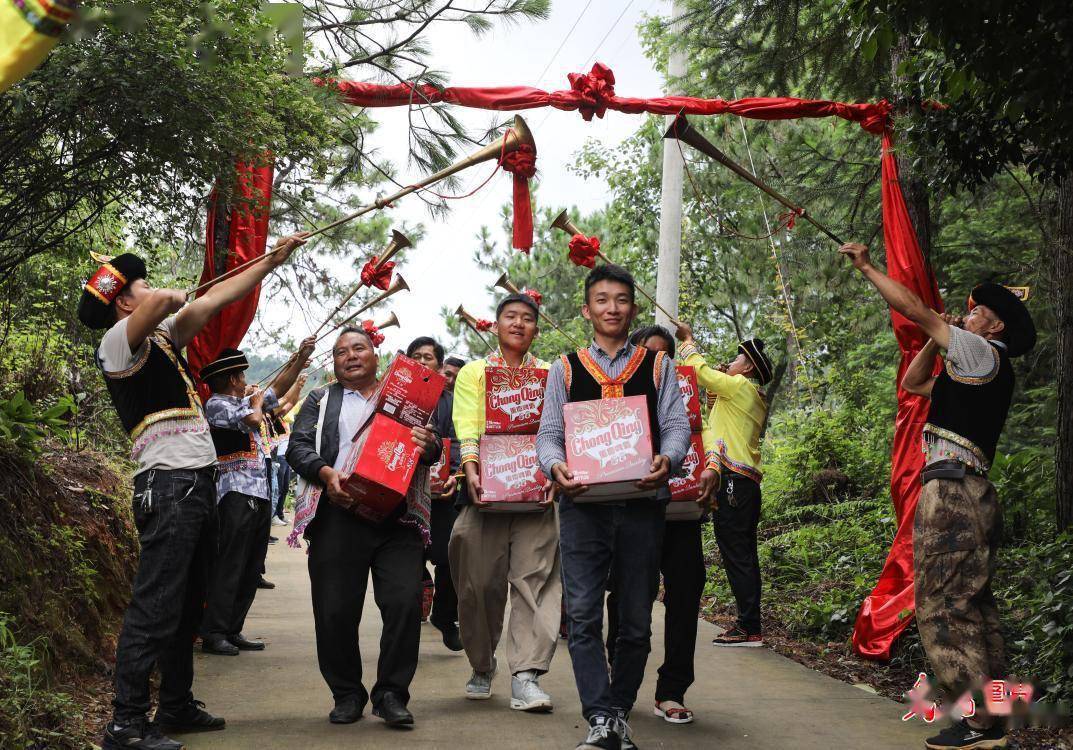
{"x":732,"y":430}
{"x":468,"y":414}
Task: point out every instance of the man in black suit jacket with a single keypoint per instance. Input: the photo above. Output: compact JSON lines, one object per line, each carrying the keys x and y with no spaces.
{"x":344,"y":548}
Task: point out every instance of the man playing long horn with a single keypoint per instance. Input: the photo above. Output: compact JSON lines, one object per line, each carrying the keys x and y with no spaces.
{"x":491,"y":552}
{"x":174,"y":489}
{"x":344,"y":548}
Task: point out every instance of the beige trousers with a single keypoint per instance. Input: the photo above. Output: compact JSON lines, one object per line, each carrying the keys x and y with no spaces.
{"x":490,"y":550}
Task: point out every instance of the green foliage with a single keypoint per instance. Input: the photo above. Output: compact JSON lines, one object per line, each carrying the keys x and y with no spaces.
{"x":32,"y":713}
{"x":24,"y":426}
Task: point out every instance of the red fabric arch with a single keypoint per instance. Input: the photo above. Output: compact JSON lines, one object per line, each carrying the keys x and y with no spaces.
{"x":888,"y":610}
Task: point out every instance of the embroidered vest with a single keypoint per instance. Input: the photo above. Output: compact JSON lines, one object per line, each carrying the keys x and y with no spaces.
{"x":156,"y":388}
{"x":972,"y":411}
{"x":586,"y":381}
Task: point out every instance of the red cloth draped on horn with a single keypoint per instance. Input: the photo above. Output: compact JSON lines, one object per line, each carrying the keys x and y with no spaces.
{"x":522,"y":165}
{"x":381,"y":279}
{"x":373,"y":332}
{"x":484,"y":325}
{"x":234,"y":234}
{"x":534,"y":295}
{"x":583,"y":250}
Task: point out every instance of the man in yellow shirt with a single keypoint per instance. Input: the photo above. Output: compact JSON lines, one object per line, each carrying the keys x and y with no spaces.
{"x":732,"y":440}
{"x":488,"y":550}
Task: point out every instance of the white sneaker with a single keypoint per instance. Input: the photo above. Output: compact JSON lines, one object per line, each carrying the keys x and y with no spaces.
{"x":479,"y":687}
{"x":277,"y":521}
{"x":527,"y":695}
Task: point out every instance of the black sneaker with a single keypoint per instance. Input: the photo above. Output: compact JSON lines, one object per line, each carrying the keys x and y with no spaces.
{"x":190,"y":718}
{"x":451,"y":637}
{"x":603,"y":734}
{"x":137,"y":734}
{"x":960,"y":736}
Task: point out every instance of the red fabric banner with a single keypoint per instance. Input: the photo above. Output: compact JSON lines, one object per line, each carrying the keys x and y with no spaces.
{"x":233,"y":235}
{"x":593,"y":93}
{"x":888,"y":610}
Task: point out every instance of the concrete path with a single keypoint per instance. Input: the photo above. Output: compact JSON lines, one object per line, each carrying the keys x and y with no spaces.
{"x":743,"y":698}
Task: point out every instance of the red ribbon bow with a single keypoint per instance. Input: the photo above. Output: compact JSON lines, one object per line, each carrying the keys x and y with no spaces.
{"x":522,"y":164}
{"x":380,"y":279}
{"x":535,"y":295}
{"x":789,"y":218}
{"x":484,"y":325}
{"x":374,"y":333}
{"x":596,"y":88}
{"x":583,"y":250}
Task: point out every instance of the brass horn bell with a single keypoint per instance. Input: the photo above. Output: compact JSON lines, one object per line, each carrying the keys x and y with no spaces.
{"x":506,"y":284}
{"x":563,"y":222}
{"x":399,"y":241}
{"x":391,"y":321}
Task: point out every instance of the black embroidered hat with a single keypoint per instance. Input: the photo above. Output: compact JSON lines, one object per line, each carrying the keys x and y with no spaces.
{"x":229,"y":360}
{"x":1019,"y":333}
{"x":99,"y":293}
{"x":754,"y":350}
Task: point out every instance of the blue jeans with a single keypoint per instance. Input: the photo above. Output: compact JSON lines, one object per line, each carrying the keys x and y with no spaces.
{"x":597,"y":540}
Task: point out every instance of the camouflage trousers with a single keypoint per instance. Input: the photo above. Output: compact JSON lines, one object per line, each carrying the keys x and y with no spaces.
{"x":955,"y":536}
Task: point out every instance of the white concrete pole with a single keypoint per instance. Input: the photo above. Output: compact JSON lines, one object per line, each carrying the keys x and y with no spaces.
{"x":670,"y":211}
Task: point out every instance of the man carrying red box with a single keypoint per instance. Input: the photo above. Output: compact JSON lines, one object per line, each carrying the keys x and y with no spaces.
{"x":732,"y":437}
{"x":344,"y":547}
{"x":488,"y":549}
{"x":612,"y":536}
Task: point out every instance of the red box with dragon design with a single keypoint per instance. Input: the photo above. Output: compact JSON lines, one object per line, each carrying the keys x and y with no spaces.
{"x":379,"y":467}
{"x":511,"y":478}
{"x":608,"y":446}
{"x":513,"y":398}
{"x":685,"y":490}
{"x":687,"y":383}
{"x":409,"y":392}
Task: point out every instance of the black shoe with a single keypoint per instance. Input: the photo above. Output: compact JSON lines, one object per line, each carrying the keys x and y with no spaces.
{"x":393,"y":712}
{"x":346,"y":711}
{"x":242,"y":643}
{"x":218,"y":645}
{"x":137,"y":734}
{"x":603,"y":734}
{"x":960,"y":736}
{"x":451,"y":639}
{"x":190,"y":718}
{"x":265,"y":584}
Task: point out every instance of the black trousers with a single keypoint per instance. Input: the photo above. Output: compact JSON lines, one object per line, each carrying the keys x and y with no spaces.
{"x":343,"y":551}
{"x":735,"y":522}
{"x":682,"y":566}
{"x":245,"y":522}
{"x":175,"y":512}
{"x":445,"y":601}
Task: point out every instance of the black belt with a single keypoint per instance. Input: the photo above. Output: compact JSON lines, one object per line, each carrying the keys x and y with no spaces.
{"x":949,"y":469}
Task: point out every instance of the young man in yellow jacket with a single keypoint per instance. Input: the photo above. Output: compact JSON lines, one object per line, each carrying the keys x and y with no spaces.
{"x":489,"y":550}
{"x":732,"y":440}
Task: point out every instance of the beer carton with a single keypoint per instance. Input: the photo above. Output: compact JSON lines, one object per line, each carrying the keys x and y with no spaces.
{"x":685,"y":490}
{"x":513,"y":398}
{"x":608,"y":446}
{"x":511,"y":478}
{"x":379,"y":467}
{"x":687,"y":383}
{"x":409,"y":392}
{"x":441,"y":470}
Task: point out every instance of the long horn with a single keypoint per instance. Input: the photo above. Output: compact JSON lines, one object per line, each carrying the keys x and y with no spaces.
{"x":398,"y":242}
{"x":471,"y":321}
{"x":516,"y":136}
{"x":684,"y":131}
{"x":504,"y":282}
{"x":398,"y":285}
{"x":563,"y":222}
{"x":391,"y":321}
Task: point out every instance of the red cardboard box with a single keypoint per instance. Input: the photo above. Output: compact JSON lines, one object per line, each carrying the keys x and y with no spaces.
{"x":687,"y":382}
{"x":379,"y":466}
{"x":441,"y":470}
{"x":608,"y":446}
{"x":513,"y":398}
{"x":685,"y":490}
{"x":511,"y":478}
{"x":409,"y":392}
